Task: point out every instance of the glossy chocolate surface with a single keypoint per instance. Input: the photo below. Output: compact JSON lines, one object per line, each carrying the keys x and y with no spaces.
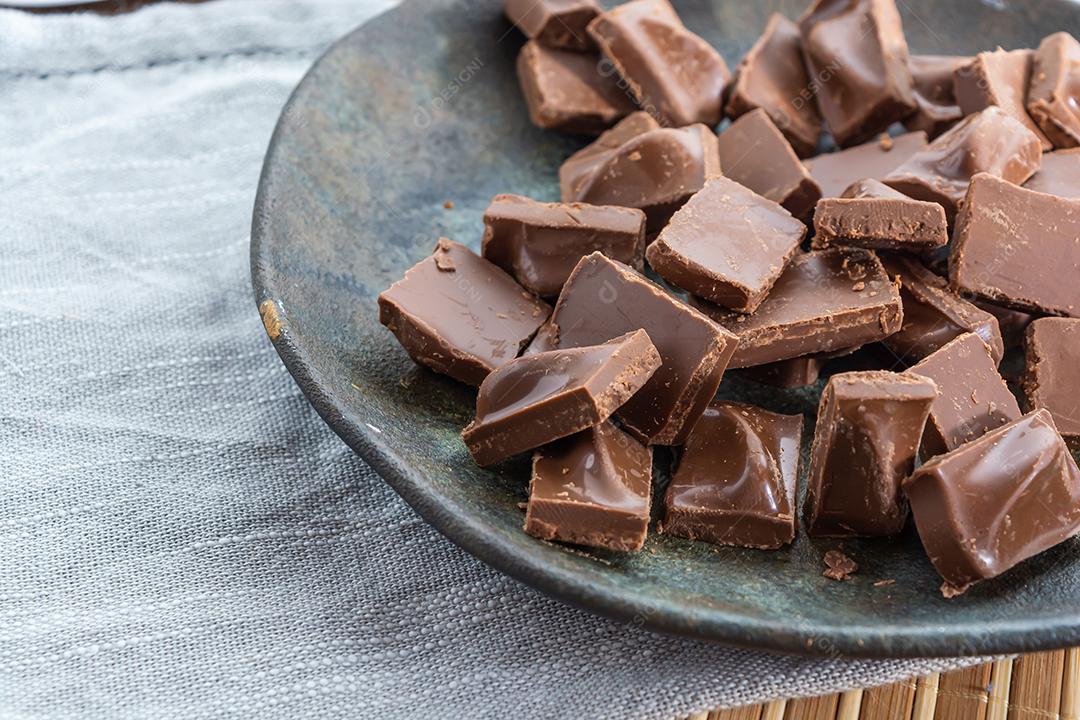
{"x":1052,"y":373}
{"x":1059,"y":174}
{"x":997,"y":78}
{"x":580,"y":167}
{"x":554,"y":23}
{"x":836,"y":171}
{"x":880,"y":223}
{"x":933,"y":77}
{"x":727,"y":244}
{"x":1053,"y":98}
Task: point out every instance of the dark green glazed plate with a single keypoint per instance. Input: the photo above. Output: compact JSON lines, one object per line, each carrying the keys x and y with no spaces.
{"x":421,"y":106}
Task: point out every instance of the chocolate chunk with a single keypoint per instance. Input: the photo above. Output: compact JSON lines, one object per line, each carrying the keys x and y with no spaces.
{"x":540,"y":243}
{"x":537,"y":399}
{"x":1012,"y":323}
{"x":972,"y":399}
{"x":1053,"y":98}
{"x":834,"y":172}
{"x":933,"y":78}
{"x":603,"y":298}
{"x":934,"y":315}
{"x":1059,"y":174}
{"x":857,"y":52}
{"x":581,"y":166}
{"x":726,"y":244}
{"x":459,"y":314}
{"x":824,"y":301}
{"x":554,"y":23}
{"x":735,"y":483}
{"x":996,"y":501}
{"x":839,"y":566}
{"x":1018,"y":248}
{"x":997,"y":78}
{"x":673,"y":74}
{"x":772,"y":76}
{"x":566,"y":91}
{"x":754,"y":153}
{"x":873,"y":215}
{"x":1052,"y":379}
{"x":989,"y":141}
{"x":592,"y":488}
{"x":868,"y":430}
{"x":793,"y":373}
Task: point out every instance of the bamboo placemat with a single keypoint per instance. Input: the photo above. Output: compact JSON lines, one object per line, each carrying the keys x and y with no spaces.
{"x":1041,"y":686}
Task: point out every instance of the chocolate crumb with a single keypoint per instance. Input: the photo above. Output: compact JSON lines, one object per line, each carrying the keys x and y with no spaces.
{"x":885,"y":142}
{"x":448,"y":204}
{"x":839,"y":566}
{"x":883,"y":583}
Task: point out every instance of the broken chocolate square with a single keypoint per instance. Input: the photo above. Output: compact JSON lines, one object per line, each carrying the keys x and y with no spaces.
{"x":836,"y":171}
{"x":933,"y":78}
{"x":997,"y":78}
{"x":1052,"y":379}
{"x":1052,"y":99}
{"x":554,"y":23}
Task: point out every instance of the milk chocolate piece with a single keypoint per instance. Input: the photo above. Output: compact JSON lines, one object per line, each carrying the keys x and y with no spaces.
{"x":554,"y":23}
{"x":933,"y":78}
{"x":839,"y":566}
{"x":994,"y":502}
{"x":972,"y":399}
{"x":581,"y":166}
{"x":880,"y":219}
{"x":592,"y":488}
{"x":824,"y":301}
{"x":537,"y":399}
{"x":1059,"y":174}
{"x":735,"y":483}
{"x":933,"y":314}
{"x":834,"y":172}
{"x":870,"y":188}
{"x":727,"y":244}
{"x":997,"y":78}
{"x":1012,"y":323}
{"x":1052,"y":379}
{"x":772,"y":76}
{"x":459,"y":314}
{"x":566,"y":91}
{"x":989,"y":141}
{"x":673,"y":74}
{"x":754,"y":153}
{"x":868,"y":430}
{"x":1018,"y":248}
{"x":540,"y":243}
{"x":857,"y":51}
{"x":603,"y":298}
{"x":793,"y":373}
{"x":1053,"y":98}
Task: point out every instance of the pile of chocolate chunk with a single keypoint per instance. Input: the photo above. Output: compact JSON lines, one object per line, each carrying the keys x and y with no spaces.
{"x":933,"y":255}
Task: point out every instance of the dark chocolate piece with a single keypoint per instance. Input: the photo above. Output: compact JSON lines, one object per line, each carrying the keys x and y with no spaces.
{"x":537,"y":399}
{"x":857,"y":51}
{"x":735,"y":483}
{"x":997,"y":78}
{"x":581,"y":166}
{"x":1053,"y":98}
{"x":459,"y":314}
{"x":1018,"y":248}
{"x":554,"y":23}
{"x":727,"y":244}
{"x":604,"y":298}
{"x":772,"y":76}
{"x":1052,"y":378}
{"x":566,"y":91}
{"x":540,"y":243}
{"x":839,"y":566}
{"x":824,"y":301}
{"x":989,"y":141}
{"x":754,"y":153}
{"x":867,"y":435}
{"x":674,"y":75}
{"x":834,"y":172}
{"x":879,"y":219}
{"x":933,"y":78}
{"x":592,"y":488}
{"x":972,"y":399}
{"x":994,"y":502}
{"x":1059,"y":174}
{"x":793,"y":373}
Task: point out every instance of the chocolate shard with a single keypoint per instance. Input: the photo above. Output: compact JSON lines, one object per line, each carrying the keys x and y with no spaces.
{"x":879,"y":218}
{"x":934,"y":314}
{"x":603,"y":298}
{"x":824,"y":301}
{"x":1059,"y":174}
{"x":537,"y":399}
{"x":459,"y":314}
{"x":1053,"y":98}
{"x":793,"y":373}
{"x":997,"y":78}
{"x":1018,"y":248}
{"x":592,"y":488}
{"x":540,"y":243}
{"x":580,"y":166}
{"x":989,"y":141}
{"x":996,"y":501}
{"x":735,"y":482}
{"x":934,"y":95}
{"x":836,"y":171}
{"x":754,"y":153}
{"x":554,"y":23}
{"x":727,"y":244}
{"x":857,"y":51}
{"x":868,"y":430}
{"x":565,"y":90}
{"x":674,"y":75}
{"x":772,"y":76}
{"x":973,"y":398}
{"x":1012,"y":323}
{"x":1052,"y":375}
